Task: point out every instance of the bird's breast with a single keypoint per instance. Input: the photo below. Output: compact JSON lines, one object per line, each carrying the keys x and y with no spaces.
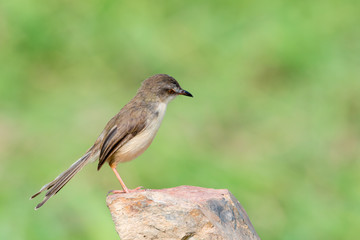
{"x":139,"y":143}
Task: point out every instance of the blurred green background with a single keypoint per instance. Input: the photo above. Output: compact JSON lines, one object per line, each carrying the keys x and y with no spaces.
{"x":275,"y":118}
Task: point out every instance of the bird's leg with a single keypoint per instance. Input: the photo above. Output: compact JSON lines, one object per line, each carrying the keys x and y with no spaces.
{"x":125,"y":189}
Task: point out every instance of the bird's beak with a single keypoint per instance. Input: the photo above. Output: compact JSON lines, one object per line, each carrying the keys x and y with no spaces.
{"x":183,"y":92}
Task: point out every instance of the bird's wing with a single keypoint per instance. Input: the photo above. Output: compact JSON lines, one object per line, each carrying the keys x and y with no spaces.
{"x":120,"y":134}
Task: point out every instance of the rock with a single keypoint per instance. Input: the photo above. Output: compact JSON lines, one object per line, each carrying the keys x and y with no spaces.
{"x":183,"y":212}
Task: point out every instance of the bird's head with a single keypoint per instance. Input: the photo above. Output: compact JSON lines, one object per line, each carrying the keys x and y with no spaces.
{"x":163,"y":87}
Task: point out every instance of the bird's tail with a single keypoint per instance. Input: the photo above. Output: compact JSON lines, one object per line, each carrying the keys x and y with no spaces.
{"x":59,"y":182}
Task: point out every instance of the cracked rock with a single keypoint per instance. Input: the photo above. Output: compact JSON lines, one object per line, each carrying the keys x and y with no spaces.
{"x":184,"y":212}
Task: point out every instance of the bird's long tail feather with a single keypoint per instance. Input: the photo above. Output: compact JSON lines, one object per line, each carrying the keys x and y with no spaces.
{"x":59,"y":182}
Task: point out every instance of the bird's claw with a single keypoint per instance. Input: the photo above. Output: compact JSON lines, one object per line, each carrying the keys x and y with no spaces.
{"x":123,"y":191}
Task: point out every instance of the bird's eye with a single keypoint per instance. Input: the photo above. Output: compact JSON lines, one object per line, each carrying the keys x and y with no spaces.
{"x":171,"y":91}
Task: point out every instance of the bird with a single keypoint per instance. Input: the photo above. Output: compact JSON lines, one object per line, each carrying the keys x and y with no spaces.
{"x":127,"y":135}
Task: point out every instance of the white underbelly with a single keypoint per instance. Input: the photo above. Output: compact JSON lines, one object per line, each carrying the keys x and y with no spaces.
{"x":134,"y":147}
{"x":138,"y":144}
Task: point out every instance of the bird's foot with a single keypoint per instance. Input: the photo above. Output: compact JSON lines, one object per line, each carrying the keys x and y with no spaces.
{"x":125,"y":190}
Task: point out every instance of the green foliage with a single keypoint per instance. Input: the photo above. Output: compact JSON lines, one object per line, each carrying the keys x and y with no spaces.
{"x":275,"y":116}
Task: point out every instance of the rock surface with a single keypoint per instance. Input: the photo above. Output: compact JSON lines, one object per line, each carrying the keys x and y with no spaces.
{"x":183,"y":212}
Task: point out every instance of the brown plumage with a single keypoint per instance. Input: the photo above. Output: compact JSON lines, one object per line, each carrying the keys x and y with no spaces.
{"x":128,"y":134}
